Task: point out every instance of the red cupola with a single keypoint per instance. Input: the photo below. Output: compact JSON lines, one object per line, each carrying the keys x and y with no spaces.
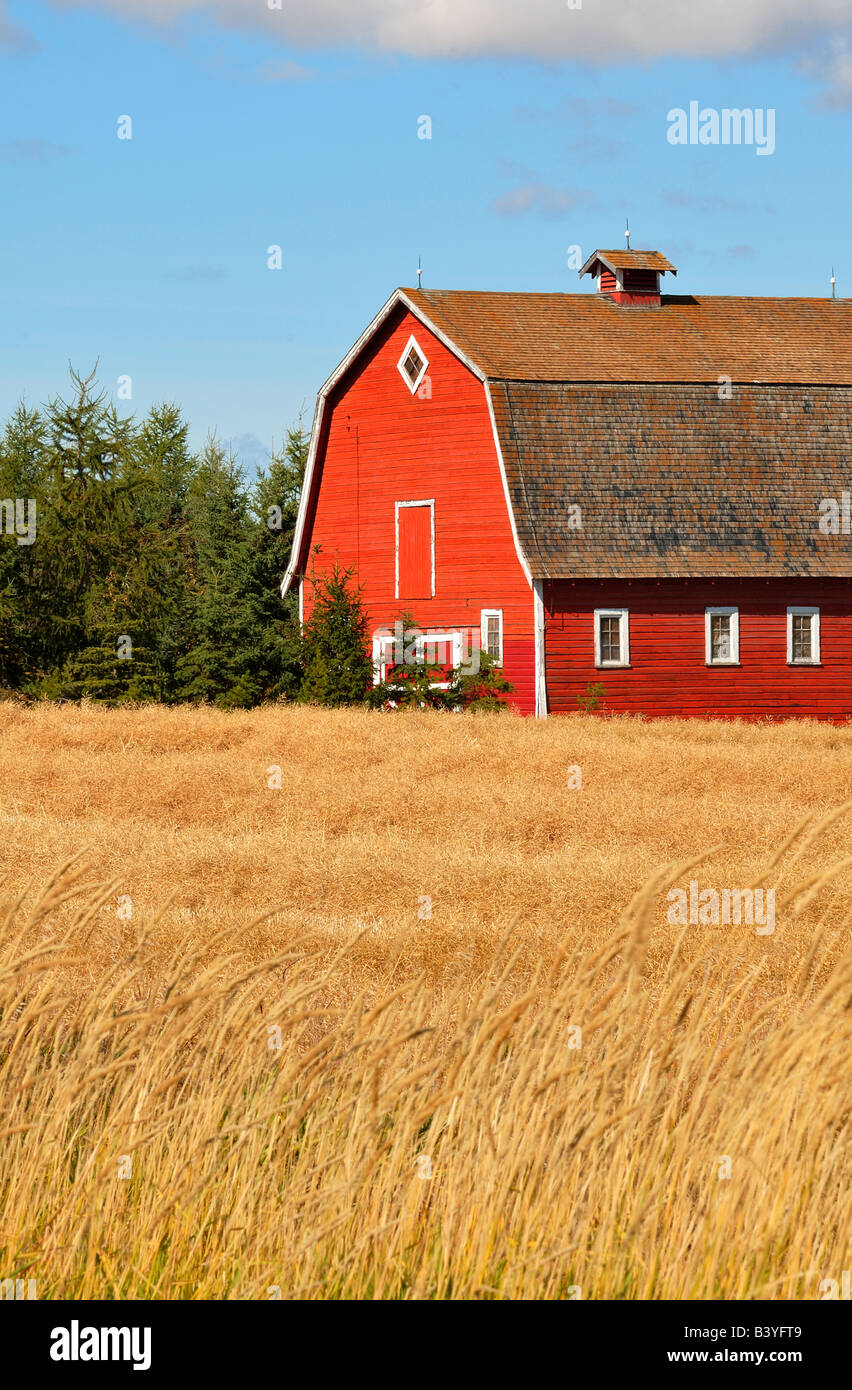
{"x":629,"y":277}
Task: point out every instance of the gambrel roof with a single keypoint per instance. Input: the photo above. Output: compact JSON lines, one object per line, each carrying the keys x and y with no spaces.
{"x":698,"y":437}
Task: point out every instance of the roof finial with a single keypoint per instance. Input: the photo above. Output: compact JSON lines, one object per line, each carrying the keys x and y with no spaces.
{"x":419,"y":274}
{"x":627,"y":233}
{"x":833,"y":284}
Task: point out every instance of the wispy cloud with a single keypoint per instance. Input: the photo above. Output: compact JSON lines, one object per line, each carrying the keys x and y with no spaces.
{"x":832,"y":66}
{"x":36,"y":150}
{"x":742,"y":252}
{"x":711,"y":202}
{"x":14,"y":39}
{"x":542,"y":199}
{"x":285,"y":70}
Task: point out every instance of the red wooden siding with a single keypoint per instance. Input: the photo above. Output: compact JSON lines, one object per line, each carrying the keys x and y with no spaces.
{"x":415,"y":552}
{"x":382,"y":445}
{"x":667,"y":672}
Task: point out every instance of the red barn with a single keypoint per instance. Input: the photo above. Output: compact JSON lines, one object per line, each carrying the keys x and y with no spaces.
{"x":648,"y":492}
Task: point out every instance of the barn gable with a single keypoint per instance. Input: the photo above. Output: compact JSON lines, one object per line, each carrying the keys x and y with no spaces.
{"x":405,"y":486}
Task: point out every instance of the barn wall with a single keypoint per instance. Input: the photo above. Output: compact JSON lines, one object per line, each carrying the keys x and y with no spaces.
{"x":382,"y":445}
{"x":668,"y":675}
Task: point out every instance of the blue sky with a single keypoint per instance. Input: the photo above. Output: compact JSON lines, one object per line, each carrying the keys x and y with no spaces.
{"x":150,"y":254}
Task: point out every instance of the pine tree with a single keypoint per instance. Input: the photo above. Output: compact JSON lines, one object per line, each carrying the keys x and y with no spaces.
{"x":275,"y":505}
{"x":336,"y":663}
{"x":22,"y":447}
{"x":411,"y":681}
{"x":220,"y":664}
{"x":83,"y":525}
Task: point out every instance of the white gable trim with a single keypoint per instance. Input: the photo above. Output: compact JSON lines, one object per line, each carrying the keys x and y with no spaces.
{"x":399,"y":297}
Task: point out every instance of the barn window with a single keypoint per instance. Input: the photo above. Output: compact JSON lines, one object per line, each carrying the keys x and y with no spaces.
{"x":612,"y":637}
{"x":415,"y":549}
{"x":442,"y":649}
{"x":722,"y":636}
{"x":803,"y":637}
{"x":491,"y":633}
{"x":412,"y":365}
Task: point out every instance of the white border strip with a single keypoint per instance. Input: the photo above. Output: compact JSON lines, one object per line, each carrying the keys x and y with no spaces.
{"x":540,"y":676}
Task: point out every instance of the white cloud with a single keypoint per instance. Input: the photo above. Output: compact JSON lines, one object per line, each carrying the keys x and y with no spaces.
{"x":603,"y":31}
{"x":543,"y":199}
{"x":834,"y":67}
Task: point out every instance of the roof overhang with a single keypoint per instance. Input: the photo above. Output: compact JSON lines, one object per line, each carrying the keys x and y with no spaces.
{"x":662,"y":267}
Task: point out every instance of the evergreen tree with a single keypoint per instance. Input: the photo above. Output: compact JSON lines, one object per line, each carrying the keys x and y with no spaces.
{"x":220,"y":665}
{"x":275,"y":505}
{"x":83,"y":524}
{"x":336,"y":663}
{"x":22,"y":491}
{"x":411,"y":681}
{"x":155,"y":574}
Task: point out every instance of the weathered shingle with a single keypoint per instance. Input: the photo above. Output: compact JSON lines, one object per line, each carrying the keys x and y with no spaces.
{"x":672,"y":481}
{"x":585,"y":337}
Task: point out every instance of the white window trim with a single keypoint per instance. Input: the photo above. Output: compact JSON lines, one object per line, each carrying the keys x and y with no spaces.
{"x":734,"y":615}
{"x":381,"y":658}
{"x":384,"y":654}
{"x":413,"y":343}
{"x":623,"y":637}
{"x":805,"y":612}
{"x":425,"y":502}
{"x":485,"y":614}
{"x":434,"y":639}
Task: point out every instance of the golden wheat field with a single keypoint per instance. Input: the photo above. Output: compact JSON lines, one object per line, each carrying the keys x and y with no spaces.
{"x":415,"y":1023}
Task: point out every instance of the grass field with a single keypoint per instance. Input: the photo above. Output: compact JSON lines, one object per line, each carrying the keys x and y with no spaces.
{"x":415,"y":1023}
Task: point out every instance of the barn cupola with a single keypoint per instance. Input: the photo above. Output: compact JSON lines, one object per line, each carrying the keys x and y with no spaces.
{"x":629,"y":277}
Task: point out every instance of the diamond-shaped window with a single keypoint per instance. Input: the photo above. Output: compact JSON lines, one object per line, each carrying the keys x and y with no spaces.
{"x":412,"y":365}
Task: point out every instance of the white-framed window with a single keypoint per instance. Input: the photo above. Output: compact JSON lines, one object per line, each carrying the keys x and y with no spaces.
{"x":803,"y":637}
{"x":722,"y":636}
{"x":440,"y":649}
{"x":412,"y":364}
{"x":415,"y":549}
{"x":491,"y":633}
{"x":436,"y":648}
{"x":612,"y":637}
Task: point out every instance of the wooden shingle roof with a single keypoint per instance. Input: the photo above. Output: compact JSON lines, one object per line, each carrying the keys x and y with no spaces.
{"x":625,"y":259}
{"x":674,"y":482}
{"x":580,"y":337}
{"x":617,"y":410}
